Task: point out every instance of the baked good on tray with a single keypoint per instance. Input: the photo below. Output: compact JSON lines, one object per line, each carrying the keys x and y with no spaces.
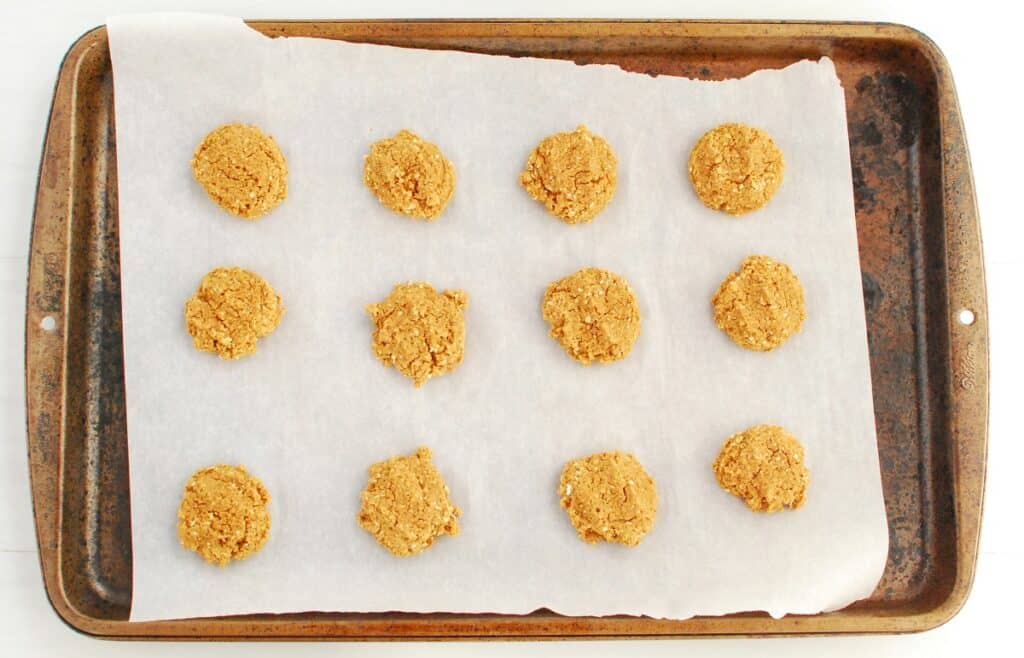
{"x":608,"y":496}
{"x":242,"y":170}
{"x":406,"y":504}
{"x":763,"y":465}
{"x":594,"y":314}
{"x":572,"y":173}
{"x":223,"y":515}
{"x":230,"y":311}
{"x":736,"y":168}
{"x":760,"y":306}
{"x":409,"y":175}
{"x":419,"y":331}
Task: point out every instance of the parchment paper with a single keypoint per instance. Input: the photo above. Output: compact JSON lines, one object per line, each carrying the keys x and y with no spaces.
{"x":313,"y":408}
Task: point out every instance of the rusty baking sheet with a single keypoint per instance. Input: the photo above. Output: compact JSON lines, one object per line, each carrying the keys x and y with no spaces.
{"x":920,"y":251}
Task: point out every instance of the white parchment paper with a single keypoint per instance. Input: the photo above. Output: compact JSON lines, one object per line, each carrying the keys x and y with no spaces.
{"x":312,"y":409}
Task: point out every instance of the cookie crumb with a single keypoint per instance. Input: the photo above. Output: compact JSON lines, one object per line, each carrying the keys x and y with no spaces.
{"x":232,"y":309}
{"x":223,"y":515}
{"x":761,"y":305}
{"x":736,"y":168}
{"x":763,"y":465}
{"x":572,"y":174}
{"x":419,"y":331}
{"x":593,"y":313}
{"x":406,"y":504}
{"x":609,"y":496}
{"x":242,"y":169}
{"x":409,"y":175}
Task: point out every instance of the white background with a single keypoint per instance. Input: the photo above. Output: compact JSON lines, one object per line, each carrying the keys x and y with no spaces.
{"x":980,"y":41}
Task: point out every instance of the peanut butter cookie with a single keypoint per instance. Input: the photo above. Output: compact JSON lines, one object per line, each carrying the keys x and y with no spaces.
{"x":736,"y":168}
{"x":409,"y":175}
{"x":610,"y":497}
{"x":232,"y":309}
{"x":420,"y":331}
{"x":242,"y":169}
{"x":405,"y":505}
{"x":763,"y":465}
{"x":761,"y":305}
{"x":572,"y":174}
{"x":223,"y":515}
{"x":593,"y":313}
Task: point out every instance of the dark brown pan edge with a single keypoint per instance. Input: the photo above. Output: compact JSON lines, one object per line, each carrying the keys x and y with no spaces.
{"x":46,"y":357}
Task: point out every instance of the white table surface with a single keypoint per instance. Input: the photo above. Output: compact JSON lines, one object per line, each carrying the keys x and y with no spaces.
{"x":981,"y":41}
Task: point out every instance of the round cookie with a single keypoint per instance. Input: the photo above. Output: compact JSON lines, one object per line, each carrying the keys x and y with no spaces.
{"x":405,"y":504}
{"x":593,"y":313}
{"x":232,"y":309}
{"x":410,"y":176}
{"x":609,"y":496}
{"x":763,"y":465}
{"x":736,"y":168}
{"x":242,"y":169}
{"x":572,"y":174}
{"x":420,"y":331}
{"x":223,"y":515}
{"x":761,"y":305}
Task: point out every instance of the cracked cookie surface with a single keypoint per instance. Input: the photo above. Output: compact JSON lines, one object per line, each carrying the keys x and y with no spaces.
{"x":242,"y":170}
{"x":609,"y":497}
{"x":594,"y":314}
{"x":572,"y":173}
{"x":409,"y":175}
{"x":232,"y":309}
{"x":761,"y":306}
{"x":419,"y":331}
{"x":763,"y":465}
{"x":406,"y":504}
{"x":736,"y":168}
{"x":223,"y":515}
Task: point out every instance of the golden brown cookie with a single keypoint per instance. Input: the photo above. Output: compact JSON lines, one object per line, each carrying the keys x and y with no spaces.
{"x":223,"y":515}
{"x":231,"y":310}
{"x":420,"y":331}
{"x":761,"y":305}
{"x":410,"y":176}
{"x":572,"y":174}
{"x":242,"y":169}
{"x":405,"y":504}
{"x":736,"y":168}
{"x":593,"y":313}
{"x":763,"y":465}
{"x":609,"y":496}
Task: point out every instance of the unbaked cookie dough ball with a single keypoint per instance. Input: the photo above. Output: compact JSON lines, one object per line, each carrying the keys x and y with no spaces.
{"x":572,"y":174}
{"x":763,"y":465}
{"x":405,"y":504}
{"x":593,"y":313}
{"x":761,"y":305}
{"x":242,"y":169}
{"x":223,"y":515}
{"x":736,"y":168}
{"x":420,"y":331}
{"x":409,"y":175}
{"x":609,"y":496}
{"x":232,"y":309}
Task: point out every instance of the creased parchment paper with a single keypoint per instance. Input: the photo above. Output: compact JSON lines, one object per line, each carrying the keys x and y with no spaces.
{"x":312,"y":409}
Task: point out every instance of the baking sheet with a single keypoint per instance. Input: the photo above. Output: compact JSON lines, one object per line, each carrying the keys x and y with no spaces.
{"x":312,"y":409}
